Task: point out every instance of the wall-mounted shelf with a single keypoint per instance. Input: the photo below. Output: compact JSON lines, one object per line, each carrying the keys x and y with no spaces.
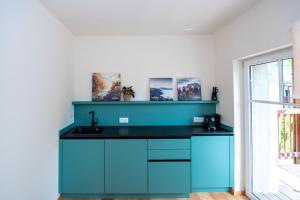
{"x":142,"y":102}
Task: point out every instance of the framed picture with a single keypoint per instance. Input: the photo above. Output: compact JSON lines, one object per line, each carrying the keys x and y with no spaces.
{"x":106,"y":86}
{"x":189,"y":89}
{"x":161,"y":89}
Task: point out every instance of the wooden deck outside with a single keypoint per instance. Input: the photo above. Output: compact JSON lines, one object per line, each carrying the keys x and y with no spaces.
{"x":285,"y":193}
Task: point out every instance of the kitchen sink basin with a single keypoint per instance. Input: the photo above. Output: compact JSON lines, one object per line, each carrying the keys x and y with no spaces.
{"x":87,"y":130}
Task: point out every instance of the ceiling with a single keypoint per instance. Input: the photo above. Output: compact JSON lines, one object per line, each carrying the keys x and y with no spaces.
{"x":146,"y":17}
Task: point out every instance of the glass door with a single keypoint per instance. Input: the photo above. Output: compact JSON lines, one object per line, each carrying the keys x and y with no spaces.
{"x":272,"y":128}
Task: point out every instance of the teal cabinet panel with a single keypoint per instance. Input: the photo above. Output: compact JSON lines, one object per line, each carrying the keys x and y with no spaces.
{"x":82,"y":170}
{"x":169,"y":144}
{"x":125,"y":166}
{"x":60,"y":163}
{"x":169,"y":177}
{"x":169,"y":154}
{"x":231,"y":156}
{"x":170,"y":113}
{"x":210,"y":162}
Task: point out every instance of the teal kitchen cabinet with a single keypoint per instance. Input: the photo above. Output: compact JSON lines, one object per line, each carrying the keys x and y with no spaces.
{"x":126,"y":166}
{"x":82,"y":166}
{"x":169,"y":166}
{"x":169,"y":177}
{"x":212,"y":162}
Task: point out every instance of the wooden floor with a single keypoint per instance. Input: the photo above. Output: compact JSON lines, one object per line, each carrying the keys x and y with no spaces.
{"x":194,"y":196}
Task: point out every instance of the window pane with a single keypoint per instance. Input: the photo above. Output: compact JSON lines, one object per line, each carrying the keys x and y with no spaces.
{"x":265,"y":82}
{"x":265,"y":147}
{"x":287,"y":65}
{"x":274,"y":150}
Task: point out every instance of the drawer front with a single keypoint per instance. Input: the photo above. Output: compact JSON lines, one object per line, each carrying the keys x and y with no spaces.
{"x":169,"y":154}
{"x":169,"y":144}
{"x":169,"y":177}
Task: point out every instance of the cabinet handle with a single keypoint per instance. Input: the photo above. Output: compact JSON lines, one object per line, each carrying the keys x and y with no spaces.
{"x":181,"y":160}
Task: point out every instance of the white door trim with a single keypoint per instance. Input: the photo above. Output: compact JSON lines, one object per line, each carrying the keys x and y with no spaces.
{"x":265,"y":58}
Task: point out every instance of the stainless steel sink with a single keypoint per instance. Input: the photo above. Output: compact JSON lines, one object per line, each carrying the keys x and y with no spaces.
{"x":87,"y":130}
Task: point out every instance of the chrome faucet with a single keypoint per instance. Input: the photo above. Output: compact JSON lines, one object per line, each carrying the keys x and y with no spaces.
{"x":93,"y":121}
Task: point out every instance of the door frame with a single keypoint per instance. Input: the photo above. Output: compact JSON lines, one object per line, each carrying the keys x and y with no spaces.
{"x":276,"y":55}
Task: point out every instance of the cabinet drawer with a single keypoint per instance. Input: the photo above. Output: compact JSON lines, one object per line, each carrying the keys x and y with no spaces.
{"x":169,"y":154}
{"x":169,"y":177}
{"x":169,"y":144}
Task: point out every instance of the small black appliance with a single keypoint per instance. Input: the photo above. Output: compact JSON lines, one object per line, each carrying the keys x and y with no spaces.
{"x":212,"y":122}
{"x":217,"y":120}
{"x":206,"y":121}
{"x":209,"y":122}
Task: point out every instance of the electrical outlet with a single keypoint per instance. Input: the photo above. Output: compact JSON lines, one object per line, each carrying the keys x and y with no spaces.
{"x":123,"y":120}
{"x":198,"y":119}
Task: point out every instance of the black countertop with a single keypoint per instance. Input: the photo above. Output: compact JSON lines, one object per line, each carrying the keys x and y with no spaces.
{"x":145,"y":132}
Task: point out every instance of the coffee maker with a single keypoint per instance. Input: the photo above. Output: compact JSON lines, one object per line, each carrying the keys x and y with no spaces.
{"x":212,"y":122}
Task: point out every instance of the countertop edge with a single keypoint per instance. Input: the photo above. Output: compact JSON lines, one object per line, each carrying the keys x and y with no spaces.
{"x":66,"y":129}
{"x":222,"y":132}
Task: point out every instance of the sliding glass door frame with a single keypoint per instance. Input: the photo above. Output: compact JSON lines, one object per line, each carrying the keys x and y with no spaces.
{"x":277,"y":56}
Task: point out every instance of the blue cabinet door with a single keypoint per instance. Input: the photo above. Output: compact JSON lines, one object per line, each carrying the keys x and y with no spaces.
{"x":82,"y":167}
{"x":210,"y":162}
{"x":125,"y":166}
{"x":169,"y":177}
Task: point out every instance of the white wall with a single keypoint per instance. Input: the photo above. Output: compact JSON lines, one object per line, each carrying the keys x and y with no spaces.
{"x":36,"y":92}
{"x":140,"y":58}
{"x":265,"y":26}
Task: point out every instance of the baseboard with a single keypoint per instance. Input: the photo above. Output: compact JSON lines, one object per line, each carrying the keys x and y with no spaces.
{"x":125,"y":196}
{"x":222,"y":189}
{"x":237,"y":193}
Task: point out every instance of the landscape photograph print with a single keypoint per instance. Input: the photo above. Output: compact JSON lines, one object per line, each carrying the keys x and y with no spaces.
{"x":106,"y":86}
{"x":161,"y":89}
{"x":189,"y":89}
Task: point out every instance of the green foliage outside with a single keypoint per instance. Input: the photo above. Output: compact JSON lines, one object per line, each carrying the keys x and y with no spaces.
{"x":286,"y":133}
